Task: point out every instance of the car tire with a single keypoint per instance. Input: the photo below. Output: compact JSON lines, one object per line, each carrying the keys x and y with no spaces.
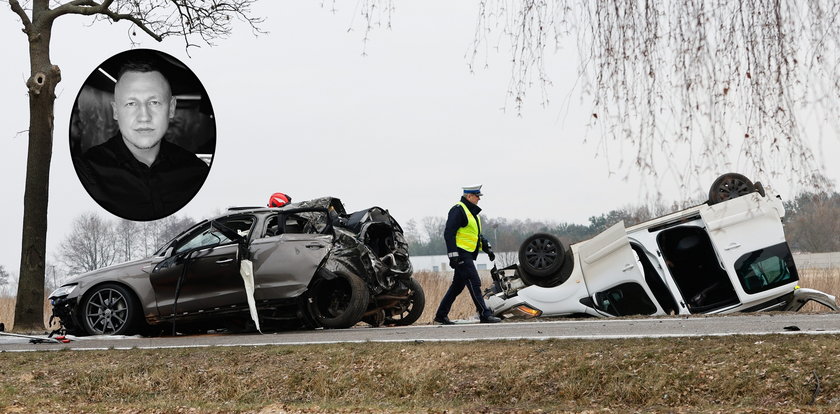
{"x":541,"y":256}
{"x":337,"y":300}
{"x":729,"y":186}
{"x":110,"y":309}
{"x":410,"y":310}
{"x":561,"y":276}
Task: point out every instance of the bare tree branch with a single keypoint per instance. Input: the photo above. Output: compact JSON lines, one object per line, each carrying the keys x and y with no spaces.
{"x":27,"y":24}
{"x":90,"y":8}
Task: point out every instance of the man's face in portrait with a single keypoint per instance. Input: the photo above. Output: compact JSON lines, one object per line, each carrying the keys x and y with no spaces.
{"x":143,"y":105}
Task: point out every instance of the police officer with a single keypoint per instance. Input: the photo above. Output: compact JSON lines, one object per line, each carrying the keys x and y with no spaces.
{"x":463,"y":240}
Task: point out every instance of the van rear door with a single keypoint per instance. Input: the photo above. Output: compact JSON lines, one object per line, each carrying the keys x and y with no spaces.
{"x":749,"y":239}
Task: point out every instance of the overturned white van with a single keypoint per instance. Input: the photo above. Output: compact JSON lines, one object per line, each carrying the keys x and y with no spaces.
{"x":726,"y":255}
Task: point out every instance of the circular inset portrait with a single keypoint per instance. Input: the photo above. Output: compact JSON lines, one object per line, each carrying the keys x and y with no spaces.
{"x":142,"y":135}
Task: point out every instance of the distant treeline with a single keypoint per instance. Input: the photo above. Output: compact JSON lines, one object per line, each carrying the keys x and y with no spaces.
{"x":812,"y":224}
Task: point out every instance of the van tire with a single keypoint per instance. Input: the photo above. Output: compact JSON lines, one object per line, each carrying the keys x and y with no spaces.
{"x":729,"y":186}
{"x":544,"y":259}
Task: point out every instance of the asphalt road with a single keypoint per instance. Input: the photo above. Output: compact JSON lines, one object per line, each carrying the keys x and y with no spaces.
{"x":759,"y":324}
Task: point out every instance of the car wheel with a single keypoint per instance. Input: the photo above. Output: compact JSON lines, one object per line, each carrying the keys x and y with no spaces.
{"x":561,"y":276}
{"x":408,"y":311}
{"x":541,"y":256}
{"x":339,"y":301}
{"x":110,"y":309}
{"x":729,"y":186}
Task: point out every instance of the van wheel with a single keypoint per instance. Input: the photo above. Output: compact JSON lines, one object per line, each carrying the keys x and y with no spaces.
{"x":729,"y":186}
{"x":558,"y":278}
{"x":541,"y":255}
{"x":337,"y":300}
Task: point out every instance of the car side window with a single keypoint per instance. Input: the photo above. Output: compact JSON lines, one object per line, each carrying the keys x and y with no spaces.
{"x":208,"y":235}
{"x":272,"y":227}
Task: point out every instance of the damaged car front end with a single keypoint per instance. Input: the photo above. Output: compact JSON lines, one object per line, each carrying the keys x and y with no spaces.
{"x":304,"y":264}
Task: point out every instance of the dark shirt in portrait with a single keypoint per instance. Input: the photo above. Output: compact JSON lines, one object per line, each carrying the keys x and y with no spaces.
{"x":134,"y":191}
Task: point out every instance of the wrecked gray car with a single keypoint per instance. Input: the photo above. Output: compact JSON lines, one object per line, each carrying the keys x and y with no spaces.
{"x":309,"y":264}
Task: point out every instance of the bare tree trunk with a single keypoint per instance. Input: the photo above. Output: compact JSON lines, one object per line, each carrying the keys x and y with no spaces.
{"x":29,"y":308}
{"x":159,"y":19}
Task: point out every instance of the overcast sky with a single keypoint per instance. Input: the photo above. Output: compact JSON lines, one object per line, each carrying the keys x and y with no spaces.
{"x":301,"y":110}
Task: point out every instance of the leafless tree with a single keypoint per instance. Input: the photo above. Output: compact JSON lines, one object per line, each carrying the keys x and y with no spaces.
{"x":688,"y":86}
{"x":507,"y":258}
{"x":433,"y":227}
{"x":125,"y":232}
{"x":814,"y":223}
{"x":193,"y":20}
{"x":91,"y":244}
{"x":4,"y":276}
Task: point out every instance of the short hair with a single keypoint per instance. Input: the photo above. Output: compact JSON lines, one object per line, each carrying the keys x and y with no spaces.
{"x":143,"y":66}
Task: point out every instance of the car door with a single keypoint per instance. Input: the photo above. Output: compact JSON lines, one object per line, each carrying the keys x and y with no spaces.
{"x":207,"y":262}
{"x":285,"y":263}
{"x":613,"y":276}
{"x":746,"y":226}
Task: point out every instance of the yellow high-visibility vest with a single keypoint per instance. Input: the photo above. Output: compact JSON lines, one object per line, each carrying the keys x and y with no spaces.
{"x":467,"y":237}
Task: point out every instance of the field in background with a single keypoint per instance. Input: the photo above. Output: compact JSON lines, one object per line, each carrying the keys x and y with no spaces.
{"x":826,"y":280}
{"x":435,"y":285}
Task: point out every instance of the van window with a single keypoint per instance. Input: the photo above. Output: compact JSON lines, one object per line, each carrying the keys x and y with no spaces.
{"x":625,"y":299}
{"x":766,"y":268}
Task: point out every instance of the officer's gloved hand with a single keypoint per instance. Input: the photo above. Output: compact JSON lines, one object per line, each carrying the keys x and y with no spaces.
{"x":491,"y":255}
{"x":454,"y":262}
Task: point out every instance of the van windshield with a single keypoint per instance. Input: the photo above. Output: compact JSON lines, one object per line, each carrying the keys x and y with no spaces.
{"x":766,"y":268}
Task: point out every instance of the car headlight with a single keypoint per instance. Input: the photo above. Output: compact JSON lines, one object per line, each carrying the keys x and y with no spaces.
{"x":63,"y":291}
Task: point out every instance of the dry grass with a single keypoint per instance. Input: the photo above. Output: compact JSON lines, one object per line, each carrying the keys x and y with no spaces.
{"x":435,"y":285}
{"x":7,"y":310}
{"x":826,"y":280}
{"x":765,"y":374}
{"x":743,"y":374}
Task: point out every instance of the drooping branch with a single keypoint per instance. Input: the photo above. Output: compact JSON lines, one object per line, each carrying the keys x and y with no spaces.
{"x":688,"y":86}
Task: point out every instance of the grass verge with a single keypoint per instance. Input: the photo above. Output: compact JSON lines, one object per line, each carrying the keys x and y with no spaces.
{"x":767,"y":374}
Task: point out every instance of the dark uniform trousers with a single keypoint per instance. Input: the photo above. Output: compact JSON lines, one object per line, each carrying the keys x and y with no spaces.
{"x":465,"y":276}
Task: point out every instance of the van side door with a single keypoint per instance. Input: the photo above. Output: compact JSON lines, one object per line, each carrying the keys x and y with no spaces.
{"x":613,"y":276}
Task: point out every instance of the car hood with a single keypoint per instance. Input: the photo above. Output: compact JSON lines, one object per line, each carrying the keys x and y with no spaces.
{"x":119,"y":271}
